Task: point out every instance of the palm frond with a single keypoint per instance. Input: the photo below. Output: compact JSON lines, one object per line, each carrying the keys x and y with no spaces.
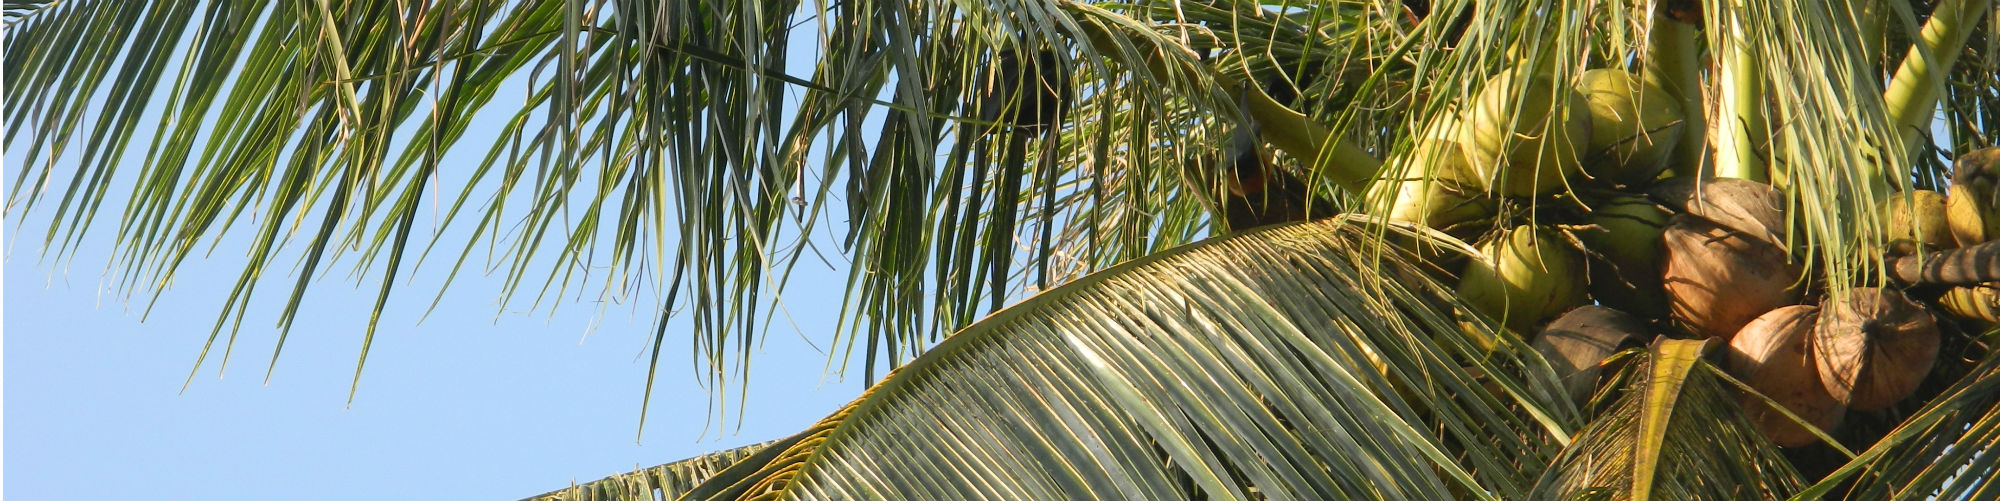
{"x":1289,"y":362}
{"x":660,"y":483}
{"x":652,"y":157}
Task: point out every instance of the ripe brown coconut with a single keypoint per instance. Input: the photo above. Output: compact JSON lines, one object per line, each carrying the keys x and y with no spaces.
{"x":1919,"y":216}
{"x":1576,"y":344}
{"x":1717,"y":280}
{"x":1773,"y":355}
{"x":1627,"y":235}
{"x":1873,"y":347}
{"x":1527,"y":274}
{"x":1755,"y":209}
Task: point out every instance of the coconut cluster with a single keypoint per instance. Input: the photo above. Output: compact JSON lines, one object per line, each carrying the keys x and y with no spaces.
{"x":1589,"y":244}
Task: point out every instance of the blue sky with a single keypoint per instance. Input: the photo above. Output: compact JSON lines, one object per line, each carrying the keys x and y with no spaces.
{"x":460,"y":407}
{"x":473,"y":403}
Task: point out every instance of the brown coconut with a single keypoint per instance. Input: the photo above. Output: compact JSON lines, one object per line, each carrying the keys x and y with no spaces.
{"x":1754,"y":209}
{"x":1873,"y":347}
{"x":1576,"y":344}
{"x":1773,"y":355}
{"x":1717,"y":280}
{"x":1918,"y":216}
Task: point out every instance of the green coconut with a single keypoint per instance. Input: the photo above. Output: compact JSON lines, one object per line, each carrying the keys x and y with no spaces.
{"x":1918,"y":216}
{"x":1634,"y":126}
{"x":1432,"y":188}
{"x":1526,"y":275}
{"x":1626,"y":235}
{"x":1972,"y":219}
{"x":1525,"y":133}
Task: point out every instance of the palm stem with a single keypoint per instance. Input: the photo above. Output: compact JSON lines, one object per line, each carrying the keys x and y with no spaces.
{"x":1742,"y":111}
{"x":1914,"y":91}
{"x":1673,"y":62}
{"x":1347,"y":165}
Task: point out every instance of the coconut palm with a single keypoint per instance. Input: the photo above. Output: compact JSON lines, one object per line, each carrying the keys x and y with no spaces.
{"x":1162,"y":250}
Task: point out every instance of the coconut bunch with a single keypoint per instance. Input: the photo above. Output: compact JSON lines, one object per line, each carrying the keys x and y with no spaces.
{"x":1545,"y":176}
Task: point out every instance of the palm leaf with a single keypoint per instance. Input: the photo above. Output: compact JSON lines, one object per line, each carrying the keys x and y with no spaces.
{"x":663,"y":482}
{"x":1235,"y":368}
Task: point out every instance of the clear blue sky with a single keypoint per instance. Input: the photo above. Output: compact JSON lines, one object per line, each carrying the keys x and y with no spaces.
{"x":462,"y":406}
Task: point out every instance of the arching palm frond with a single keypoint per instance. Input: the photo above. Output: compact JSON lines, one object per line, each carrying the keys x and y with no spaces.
{"x":663,"y":482}
{"x":1287,"y":362}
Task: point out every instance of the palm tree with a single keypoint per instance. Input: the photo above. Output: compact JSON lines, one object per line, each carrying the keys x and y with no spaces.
{"x":1191,"y":207}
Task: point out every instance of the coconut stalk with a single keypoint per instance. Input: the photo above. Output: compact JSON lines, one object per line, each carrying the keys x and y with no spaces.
{"x":1741,"y":108}
{"x":1348,"y":166}
{"x":1672,"y":60}
{"x":1912,"y":95}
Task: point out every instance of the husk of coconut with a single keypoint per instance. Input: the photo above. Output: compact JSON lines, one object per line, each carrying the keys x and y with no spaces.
{"x":1628,"y":238}
{"x":1717,"y":280}
{"x":1524,"y":133}
{"x":1773,"y":355}
{"x":1973,"y":219}
{"x":1749,"y":207}
{"x":1873,"y":347}
{"x":1527,"y":274}
{"x":1634,"y":126}
{"x":1576,"y":344}
{"x":1980,"y":303}
{"x":1433,"y":187}
{"x":1918,"y":216}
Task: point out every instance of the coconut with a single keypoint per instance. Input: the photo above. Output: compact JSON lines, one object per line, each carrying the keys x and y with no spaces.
{"x":1526,"y":274}
{"x":1634,"y":126}
{"x":1627,"y":237}
{"x":1918,"y":216}
{"x":1524,"y":133}
{"x":1973,"y":219}
{"x":1873,"y":347}
{"x":1577,"y":343}
{"x":1755,"y":209}
{"x":1440,"y":197}
{"x":1980,"y":303}
{"x":1717,"y":280}
{"x":1773,"y":355}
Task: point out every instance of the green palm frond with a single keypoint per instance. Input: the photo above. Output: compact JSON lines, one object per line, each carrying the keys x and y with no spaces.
{"x":661,"y":483}
{"x":1289,"y":362}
